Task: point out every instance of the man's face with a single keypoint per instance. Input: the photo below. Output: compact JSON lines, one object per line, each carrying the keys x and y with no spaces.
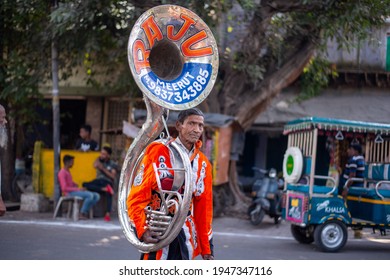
{"x":351,"y":152}
{"x":191,"y":129}
{"x":83,"y":133}
{"x":104,"y":155}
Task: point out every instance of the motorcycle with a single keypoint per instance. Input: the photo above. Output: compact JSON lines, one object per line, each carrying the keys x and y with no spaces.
{"x":266,"y":194}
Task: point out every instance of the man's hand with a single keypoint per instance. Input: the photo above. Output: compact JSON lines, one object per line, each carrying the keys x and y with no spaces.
{"x":208,"y":257}
{"x":99,"y":165}
{"x":150,"y":237}
{"x":344,"y":193}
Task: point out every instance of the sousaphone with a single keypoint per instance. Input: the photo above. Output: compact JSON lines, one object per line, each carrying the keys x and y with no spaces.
{"x":173,"y":58}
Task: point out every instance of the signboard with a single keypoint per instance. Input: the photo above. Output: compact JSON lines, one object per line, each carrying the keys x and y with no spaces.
{"x":295,"y":211}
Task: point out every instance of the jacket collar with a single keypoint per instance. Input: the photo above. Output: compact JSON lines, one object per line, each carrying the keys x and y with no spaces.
{"x":195,"y":149}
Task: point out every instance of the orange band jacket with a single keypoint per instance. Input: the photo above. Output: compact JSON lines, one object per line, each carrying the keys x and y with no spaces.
{"x":198,"y":225}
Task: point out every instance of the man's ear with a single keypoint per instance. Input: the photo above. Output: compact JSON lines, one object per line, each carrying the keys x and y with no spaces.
{"x":178,"y":126}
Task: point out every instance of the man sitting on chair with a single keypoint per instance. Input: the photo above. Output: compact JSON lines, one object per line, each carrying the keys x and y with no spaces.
{"x":70,"y":188}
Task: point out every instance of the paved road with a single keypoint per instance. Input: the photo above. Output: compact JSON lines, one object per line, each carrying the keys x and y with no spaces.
{"x":38,"y":237}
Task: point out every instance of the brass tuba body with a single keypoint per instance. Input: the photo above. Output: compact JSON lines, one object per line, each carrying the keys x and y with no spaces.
{"x":173,"y":58}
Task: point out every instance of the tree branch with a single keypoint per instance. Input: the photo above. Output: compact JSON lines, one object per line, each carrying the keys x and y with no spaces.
{"x":273,"y":84}
{"x":282,"y":6}
{"x":146,"y":4}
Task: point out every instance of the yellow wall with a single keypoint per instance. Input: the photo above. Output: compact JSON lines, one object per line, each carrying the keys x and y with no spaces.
{"x":82,"y":170}
{"x":221,"y":165}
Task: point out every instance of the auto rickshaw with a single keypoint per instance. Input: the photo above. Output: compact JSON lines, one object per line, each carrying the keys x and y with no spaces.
{"x":316,"y":151}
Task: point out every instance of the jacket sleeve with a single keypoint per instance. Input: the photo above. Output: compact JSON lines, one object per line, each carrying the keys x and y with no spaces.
{"x":203,"y":213}
{"x":143,"y":184}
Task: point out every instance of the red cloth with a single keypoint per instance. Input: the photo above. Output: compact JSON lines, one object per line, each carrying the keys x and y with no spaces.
{"x":166,"y":184}
{"x":66,"y":182}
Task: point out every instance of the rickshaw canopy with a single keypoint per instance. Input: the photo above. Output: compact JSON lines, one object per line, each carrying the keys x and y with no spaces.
{"x":310,"y":123}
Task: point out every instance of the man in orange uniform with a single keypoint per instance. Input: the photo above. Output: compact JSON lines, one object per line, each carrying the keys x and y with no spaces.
{"x":195,"y":237}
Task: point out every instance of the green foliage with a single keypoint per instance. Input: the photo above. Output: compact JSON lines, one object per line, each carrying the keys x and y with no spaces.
{"x":93,"y":35}
{"x":343,"y":20}
{"x":316,"y":76}
{"x":293,"y":22}
{"x":20,"y":88}
{"x":247,"y":5}
{"x":24,"y":60}
{"x":254,"y":71}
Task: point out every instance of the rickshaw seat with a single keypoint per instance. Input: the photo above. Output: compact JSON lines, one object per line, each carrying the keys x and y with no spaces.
{"x":368,"y":192}
{"x":368,"y":205}
{"x":377,"y":171}
{"x":361,"y":192}
{"x":384,"y":193}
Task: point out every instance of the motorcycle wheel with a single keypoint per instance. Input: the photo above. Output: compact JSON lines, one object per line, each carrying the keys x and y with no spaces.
{"x":250,"y":209}
{"x":301,"y":235}
{"x":257,"y":217}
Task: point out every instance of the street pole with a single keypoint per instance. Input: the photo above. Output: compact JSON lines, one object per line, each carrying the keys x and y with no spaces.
{"x":56,"y":113}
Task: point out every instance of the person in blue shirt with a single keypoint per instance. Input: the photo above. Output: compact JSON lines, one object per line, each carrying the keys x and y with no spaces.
{"x":353,"y":169}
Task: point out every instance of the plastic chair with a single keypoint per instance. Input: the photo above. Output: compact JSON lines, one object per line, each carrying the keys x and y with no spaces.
{"x":73,"y":207}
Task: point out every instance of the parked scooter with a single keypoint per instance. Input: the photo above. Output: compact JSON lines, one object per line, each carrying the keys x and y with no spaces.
{"x":267,"y":194}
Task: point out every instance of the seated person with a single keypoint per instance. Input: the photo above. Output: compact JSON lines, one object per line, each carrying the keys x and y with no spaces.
{"x":70,"y":188}
{"x":106,"y":171}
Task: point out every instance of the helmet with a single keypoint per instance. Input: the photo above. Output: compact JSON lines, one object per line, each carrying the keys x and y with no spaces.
{"x":272,"y":173}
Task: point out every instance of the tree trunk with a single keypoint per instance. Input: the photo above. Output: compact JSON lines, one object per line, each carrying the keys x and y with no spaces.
{"x":240,"y":201}
{"x":251,"y":107}
{"x":7,"y":168}
{"x":253,"y":102}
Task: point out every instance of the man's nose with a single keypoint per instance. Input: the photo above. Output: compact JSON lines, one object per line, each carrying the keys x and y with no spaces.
{"x":198,"y":128}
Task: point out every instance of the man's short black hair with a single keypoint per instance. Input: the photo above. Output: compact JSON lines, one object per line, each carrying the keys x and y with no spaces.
{"x":87,"y":127}
{"x":67,"y":158}
{"x":107,"y":149}
{"x":356,"y":147}
{"x":189,"y":112}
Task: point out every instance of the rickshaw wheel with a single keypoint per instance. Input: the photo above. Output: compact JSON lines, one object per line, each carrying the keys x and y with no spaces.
{"x":331,"y":236}
{"x":300,"y":234}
